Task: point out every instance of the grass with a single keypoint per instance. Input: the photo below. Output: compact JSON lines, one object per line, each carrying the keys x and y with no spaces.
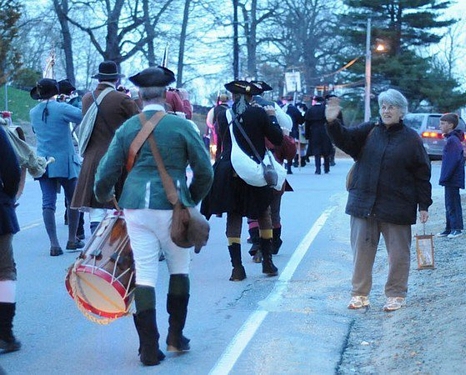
{"x":18,"y":102}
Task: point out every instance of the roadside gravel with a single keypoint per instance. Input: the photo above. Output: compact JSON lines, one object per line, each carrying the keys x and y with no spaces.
{"x":426,"y":337}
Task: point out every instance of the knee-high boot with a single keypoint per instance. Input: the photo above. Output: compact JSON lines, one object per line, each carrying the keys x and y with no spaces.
{"x":238,"y":272}
{"x":276,"y":240}
{"x":267,"y":265}
{"x":146,"y":326}
{"x":177,"y":308}
{"x":8,"y":342}
{"x":255,"y":250}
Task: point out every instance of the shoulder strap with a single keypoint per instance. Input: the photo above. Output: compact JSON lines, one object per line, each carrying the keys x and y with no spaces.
{"x":141,"y":137}
{"x":167,"y":181}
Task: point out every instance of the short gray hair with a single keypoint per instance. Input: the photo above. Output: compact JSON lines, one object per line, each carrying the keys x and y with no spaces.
{"x":150,"y":93}
{"x":396,"y":98}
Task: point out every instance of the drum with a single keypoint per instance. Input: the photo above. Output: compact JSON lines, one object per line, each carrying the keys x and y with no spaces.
{"x":102,"y":279}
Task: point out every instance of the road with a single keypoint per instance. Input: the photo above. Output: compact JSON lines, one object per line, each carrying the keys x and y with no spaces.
{"x":296,"y":323}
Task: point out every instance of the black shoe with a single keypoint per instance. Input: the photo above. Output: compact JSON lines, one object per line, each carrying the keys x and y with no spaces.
{"x":317,"y":172}
{"x":257,"y":257}
{"x":56,"y":251}
{"x":81,"y":236}
{"x":178,"y":345}
{"x":74,"y":245}
{"x":8,"y":346}
{"x":238,"y":274}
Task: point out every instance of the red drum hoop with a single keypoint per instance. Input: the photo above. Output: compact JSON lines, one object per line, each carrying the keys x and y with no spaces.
{"x":102,"y":279}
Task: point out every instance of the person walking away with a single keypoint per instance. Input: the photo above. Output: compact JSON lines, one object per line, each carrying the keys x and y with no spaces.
{"x":10,"y":175}
{"x":452,"y":174}
{"x":114,"y":109}
{"x":50,"y":122}
{"x":212,"y":124}
{"x":147,"y":211}
{"x":230,"y":194}
{"x":319,"y":141}
{"x":391,"y":181}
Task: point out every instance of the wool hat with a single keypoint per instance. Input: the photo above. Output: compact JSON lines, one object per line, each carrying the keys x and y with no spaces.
{"x":244,"y":88}
{"x":108,"y":71}
{"x":155,"y":76}
{"x":44,"y":89}
{"x":65,"y":87}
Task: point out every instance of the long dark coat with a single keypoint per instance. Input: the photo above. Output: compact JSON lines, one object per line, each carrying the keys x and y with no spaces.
{"x":10,"y":174}
{"x":114,"y":109}
{"x":229,"y":193}
{"x":391,"y":179}
{"x":319,"y":141}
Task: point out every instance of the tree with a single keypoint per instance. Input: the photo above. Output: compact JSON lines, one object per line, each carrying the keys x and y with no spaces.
{"x":404,"y":26}
{"x":10,"y":58}
{"x":62,"y":9}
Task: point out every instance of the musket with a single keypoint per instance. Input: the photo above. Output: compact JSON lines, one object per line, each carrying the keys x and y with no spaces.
{"x":165,"y":57}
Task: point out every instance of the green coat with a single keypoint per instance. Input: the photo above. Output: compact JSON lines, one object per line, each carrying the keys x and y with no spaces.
{"x":179,"y":145}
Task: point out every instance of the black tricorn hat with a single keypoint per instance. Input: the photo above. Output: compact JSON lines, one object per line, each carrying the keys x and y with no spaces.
{"x":244,"y":88}
{"x":264,"y":86}
{"x":155,"y":76}
{"x":44,"y":89}
{"x":65,"y":87}
{"x":108,"y":71}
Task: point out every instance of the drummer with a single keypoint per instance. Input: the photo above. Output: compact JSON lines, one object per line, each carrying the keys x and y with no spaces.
{"x":148,"y":213}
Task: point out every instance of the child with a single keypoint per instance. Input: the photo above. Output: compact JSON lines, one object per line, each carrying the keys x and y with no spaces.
{"x":452,"y":175}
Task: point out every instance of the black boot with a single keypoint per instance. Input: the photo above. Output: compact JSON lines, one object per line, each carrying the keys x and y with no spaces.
{"x":8,"y":342}
{"x":146,"y":325}
{"x":238,"y":272}
{"x":177,"y":308}
{"x":276,"y":240}
{"x":267,"y":265}
{"x":255,"y":250}
{"x":288,"y":168}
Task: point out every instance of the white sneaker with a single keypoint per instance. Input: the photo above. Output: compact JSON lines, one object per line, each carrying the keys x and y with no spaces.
{"x":394,"y":303}
{"x":358,"y":302}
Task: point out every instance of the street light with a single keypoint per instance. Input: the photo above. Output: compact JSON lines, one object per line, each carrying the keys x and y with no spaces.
{"x":367,"y":87}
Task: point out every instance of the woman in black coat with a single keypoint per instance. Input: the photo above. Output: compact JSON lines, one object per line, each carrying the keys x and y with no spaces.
{"x":10,"y":174}
{"x":232,"y":195}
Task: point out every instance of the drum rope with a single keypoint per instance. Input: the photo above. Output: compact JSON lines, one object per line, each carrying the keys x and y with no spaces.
{"x":93,"y":318}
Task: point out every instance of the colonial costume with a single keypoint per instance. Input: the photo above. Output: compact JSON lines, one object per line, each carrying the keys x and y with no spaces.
{"x":147,"y":211}
{"x":232,"y":195}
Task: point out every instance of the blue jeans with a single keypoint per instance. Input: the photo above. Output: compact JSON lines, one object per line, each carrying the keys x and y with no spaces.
{"x":50,"y":188}
{"x":453,"y":208}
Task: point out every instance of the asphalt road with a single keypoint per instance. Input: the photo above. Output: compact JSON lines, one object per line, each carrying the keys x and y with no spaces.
{"x":295,"y":323}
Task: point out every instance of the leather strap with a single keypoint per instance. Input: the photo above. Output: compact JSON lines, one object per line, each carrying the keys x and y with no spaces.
{"x":141,"y":137}
{"x":167,"y":181}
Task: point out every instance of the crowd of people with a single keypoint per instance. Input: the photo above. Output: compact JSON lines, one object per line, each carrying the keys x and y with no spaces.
{"x":390,"y":185}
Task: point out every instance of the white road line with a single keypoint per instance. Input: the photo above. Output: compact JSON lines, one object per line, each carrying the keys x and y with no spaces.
{"x":252,"y":324}
{"x":40,"y":222}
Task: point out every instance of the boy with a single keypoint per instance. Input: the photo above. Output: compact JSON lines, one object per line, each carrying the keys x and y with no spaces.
{"x":452,"y":175}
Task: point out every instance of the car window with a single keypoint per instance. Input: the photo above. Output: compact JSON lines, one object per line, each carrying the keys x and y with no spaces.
{"x":433,"y":122}
{"x":413,"y":121}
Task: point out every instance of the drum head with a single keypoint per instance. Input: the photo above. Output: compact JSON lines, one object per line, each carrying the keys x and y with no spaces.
{"x":99,"y":292}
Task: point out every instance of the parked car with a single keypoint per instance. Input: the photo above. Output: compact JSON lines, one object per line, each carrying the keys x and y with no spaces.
{"x":427,"y":126}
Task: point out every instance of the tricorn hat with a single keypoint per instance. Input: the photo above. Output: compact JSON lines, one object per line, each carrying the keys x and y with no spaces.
{"x":155,"y":76}
{"x":108,"y":71}
{"x":244,"y":88}
{"x":65,"y":87}
{"x":264,"y":86}
{"x":44,"y":89}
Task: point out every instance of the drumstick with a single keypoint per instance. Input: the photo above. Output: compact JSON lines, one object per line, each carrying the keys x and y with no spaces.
{"x":50,"y":160}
